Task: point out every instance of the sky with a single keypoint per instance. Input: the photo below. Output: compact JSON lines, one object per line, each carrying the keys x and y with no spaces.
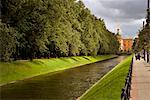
{"x":128,"y":15}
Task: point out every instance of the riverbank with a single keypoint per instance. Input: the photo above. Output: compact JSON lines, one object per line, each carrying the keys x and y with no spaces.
{"x":19,"y":70}
{"x":109,"y":87}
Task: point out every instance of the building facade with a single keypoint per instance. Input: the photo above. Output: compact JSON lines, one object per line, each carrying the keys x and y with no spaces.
{"x":125,"y":43}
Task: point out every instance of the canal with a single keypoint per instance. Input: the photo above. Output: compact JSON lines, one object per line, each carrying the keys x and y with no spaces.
{"x":62,"y":85}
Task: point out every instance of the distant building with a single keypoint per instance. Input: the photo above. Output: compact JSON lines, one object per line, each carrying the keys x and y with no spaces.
{"x":120,"y":41}
{"x":125,"y":43}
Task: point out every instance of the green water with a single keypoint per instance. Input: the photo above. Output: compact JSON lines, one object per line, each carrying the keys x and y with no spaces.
{"x":63,"y":85}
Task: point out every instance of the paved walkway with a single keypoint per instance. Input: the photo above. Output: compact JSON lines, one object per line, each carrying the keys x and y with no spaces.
{"x":140,"y":80}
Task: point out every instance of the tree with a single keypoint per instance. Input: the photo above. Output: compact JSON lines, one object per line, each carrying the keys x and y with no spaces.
{"x":29,"y":18}
{"x":54,"y":28}
{"x":143,"y":40}
{"x":8,"y":41}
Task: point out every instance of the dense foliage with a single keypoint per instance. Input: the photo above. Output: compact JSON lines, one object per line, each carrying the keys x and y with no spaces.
{"x":51,"y":28}
{"x":143,"y":40}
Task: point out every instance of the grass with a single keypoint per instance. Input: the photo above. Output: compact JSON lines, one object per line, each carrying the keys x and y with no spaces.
{"x":22,"y":69}
{"x":109,"y":87}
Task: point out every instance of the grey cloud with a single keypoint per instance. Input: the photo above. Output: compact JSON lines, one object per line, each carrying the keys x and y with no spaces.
{"x":129,"y":13}
{"x":128,"y":8}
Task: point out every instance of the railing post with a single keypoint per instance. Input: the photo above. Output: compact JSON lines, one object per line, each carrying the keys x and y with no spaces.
{"x":125,"y":95}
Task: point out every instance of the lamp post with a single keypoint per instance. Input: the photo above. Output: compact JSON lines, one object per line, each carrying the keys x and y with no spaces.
{"x":144,"y":53}
{"x":148,"y":14}
{"x":147,"y":56}
{"x":148,"y":26}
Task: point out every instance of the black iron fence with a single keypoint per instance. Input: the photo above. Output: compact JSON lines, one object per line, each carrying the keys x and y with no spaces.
{"x":125,"y":95}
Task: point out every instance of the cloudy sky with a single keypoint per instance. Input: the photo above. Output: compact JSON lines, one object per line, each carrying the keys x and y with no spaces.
{"x":126,"y":14}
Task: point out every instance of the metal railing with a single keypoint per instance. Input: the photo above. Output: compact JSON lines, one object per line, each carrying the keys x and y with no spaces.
{"x":125,"y":95}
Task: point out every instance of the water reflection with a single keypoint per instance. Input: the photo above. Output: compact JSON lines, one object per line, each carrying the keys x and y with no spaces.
{"x":62,"y":85}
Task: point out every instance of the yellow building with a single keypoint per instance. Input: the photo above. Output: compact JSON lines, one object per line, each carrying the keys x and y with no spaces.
{"x":125,"y":43}
{"x":120,"y":41}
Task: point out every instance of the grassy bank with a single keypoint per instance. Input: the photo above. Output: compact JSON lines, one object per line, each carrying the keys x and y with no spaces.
{"x":19,"y":70}
{"x":109,"y":87}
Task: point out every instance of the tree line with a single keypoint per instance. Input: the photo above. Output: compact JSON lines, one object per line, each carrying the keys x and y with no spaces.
{"x":143,"y":40}
{"x":52,"y":28}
